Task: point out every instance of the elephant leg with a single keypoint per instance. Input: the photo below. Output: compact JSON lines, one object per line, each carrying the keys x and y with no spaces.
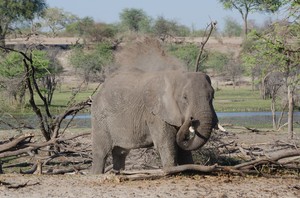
{"x":119,"y":155}
{"x":163,"y":136}
{"x":102,"y":146}
{"x":184,"y":157}
{"x":99,"y":160}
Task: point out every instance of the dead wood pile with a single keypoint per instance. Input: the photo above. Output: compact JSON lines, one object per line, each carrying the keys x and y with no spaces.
{"x":223,"y":154}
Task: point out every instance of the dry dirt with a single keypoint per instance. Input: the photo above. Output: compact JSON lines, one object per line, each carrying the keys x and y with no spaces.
{"x":108,"y":185}
{"x":180,"y":186}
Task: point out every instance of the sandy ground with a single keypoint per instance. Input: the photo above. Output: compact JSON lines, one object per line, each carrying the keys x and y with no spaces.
{"x":179,"y":186}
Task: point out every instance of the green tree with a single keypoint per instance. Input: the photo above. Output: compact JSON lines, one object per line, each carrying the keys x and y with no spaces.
{"x":92,"y":61}
{"x":81,"y":27}
{"x":57,"y":20}
{"x":11,"y":77}
{"x":98,"y":32}
{"x":245,"y":7}
{"x":164,"y":28}
{"x":134,"y":19}
{"x":278,"y":51}
{"x":216,"y":61}
{"x":187,"y":53}
{"x":232,"y":28}
{"x":47,"y":71}
{"x":12,"y":11}
{"x":87,"y":28}
{"x":12,"y":73}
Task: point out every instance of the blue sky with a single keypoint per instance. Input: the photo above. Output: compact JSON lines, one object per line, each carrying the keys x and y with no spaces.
{"x":192,"y":13}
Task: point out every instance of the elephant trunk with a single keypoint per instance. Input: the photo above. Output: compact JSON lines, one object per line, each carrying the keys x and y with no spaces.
{"x":191,"y":137}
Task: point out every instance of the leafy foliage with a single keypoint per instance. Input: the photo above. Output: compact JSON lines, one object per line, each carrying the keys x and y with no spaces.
{"x":92,"y":61}
{"x":11,"y":65}
{"x":88,"y":28}
{"x":80,"y":27}
{"x":163,"y":28}
{"x":57,"y":19}
{"x":216,"y":61}
{"x":232,"y":28}
{"x":18,"y":10}
{"x":134,"y":19}
{"x":12,"y":72}
{"x":187,"y":53}
{"x":244,"y":7}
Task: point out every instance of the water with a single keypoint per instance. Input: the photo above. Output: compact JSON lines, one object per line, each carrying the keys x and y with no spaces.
{"x":252,"y":119}
{"x":249,"y":119}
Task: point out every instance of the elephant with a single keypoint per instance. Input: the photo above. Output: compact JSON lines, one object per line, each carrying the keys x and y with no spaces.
{"x":170,"y":110}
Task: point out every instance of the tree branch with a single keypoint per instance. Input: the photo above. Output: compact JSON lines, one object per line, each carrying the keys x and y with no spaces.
{"x":211,"y":27}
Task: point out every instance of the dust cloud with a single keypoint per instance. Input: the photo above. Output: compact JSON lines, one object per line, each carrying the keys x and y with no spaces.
{"x":147,"y":55}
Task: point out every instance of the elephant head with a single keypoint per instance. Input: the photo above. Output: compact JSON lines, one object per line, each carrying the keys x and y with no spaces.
{"x":184,"y":100}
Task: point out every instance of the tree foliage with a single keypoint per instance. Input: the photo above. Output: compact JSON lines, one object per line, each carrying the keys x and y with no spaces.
{"x":245,"y":7}
{"x":187,"y":53}
{"x":18,"y":10}
{"x":277,"y":50}
{"x":216,"y":61}
{"x":232,"y":28}
{"x":12,"y":73}
{"x":57,"y":20}
{"x":87,"y":28}
{"x":134,"y":19}
{"x":164,"y":28}
{"x":91,"y":62}
{"x":80,"y":27}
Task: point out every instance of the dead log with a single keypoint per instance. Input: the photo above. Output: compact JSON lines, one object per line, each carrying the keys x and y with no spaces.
{"x":189,"y":167}
{"x":273,"y":158}
{"x":17,"y":186}
{"x":27,"y":147}
{"x":15,"y":141}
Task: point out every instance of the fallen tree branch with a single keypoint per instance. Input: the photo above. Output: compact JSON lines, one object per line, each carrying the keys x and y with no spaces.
{"x":16,"y":186}
{"x":14,"y":142}
{"x":267,"y":159}
{"x":189,"y":167}
{"x":28,"y":147}
{"x":199,"y":59}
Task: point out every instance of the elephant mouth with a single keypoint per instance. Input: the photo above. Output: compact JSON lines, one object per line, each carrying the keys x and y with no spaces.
{"x":192,"y":135}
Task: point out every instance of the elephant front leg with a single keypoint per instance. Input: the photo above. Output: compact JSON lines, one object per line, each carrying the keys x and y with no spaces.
{"x":163,"y":136}
{"x":99,"y":160}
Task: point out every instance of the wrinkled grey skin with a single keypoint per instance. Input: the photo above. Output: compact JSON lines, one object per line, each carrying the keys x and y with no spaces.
{"x":136,"y":109}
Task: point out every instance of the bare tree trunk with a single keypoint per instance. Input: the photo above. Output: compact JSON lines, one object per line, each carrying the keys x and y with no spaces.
{"x":233,"y":82}
{"x":273,"y":109}
{"x":252,"y":82}
{"x":2,"y":40}
{"x":281,"y":116}
{"x":291,"y":112}
{"x":245,"y":18}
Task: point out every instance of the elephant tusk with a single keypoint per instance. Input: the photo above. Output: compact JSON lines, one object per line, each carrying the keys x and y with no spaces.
{"x":221,"y":128}
{"x":191,"y":129}
{"x":192,"y":132}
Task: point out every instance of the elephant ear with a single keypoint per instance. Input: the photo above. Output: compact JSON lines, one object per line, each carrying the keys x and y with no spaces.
{"x":159,"y":100}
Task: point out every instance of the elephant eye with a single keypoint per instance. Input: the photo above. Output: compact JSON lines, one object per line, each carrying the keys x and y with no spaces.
{"x":185,"y":97}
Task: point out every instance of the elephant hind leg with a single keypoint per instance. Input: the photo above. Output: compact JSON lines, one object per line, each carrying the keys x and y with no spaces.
{"x":119,"y":155}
